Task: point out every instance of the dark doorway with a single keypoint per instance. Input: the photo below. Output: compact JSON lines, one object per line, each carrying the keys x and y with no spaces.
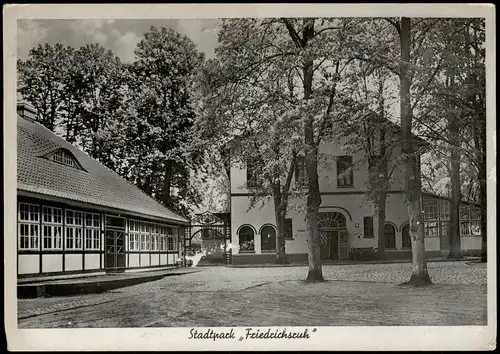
{"x":329,"y":244}
{"x":405,"y":233}
{"x":334,"y":241}
{"x":115,"y":251}
{"x":114,"y":243}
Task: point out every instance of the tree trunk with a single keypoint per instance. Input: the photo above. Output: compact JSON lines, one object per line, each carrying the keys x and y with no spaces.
{"x":413,"y":182}
{"x":311,"y":158}
{"x":167,"y":183}
{"x":454,"y":227}
{"x":382,"y":175}
{"x":382,"y":197}
{"x":482,"y":192}
{"x":279,"y":213}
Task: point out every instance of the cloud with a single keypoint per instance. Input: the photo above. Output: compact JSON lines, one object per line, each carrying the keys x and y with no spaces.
{"x":202,"y":32}
{"x":120,"y":36}
{"x":125,"y":45}
{"x":29,"y":34}
{"x":91,"y":29}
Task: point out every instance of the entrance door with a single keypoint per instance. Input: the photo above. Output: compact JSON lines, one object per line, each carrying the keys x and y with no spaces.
{"x":343,"y":245}
{"x":329,"y":244}
{"x":334,"y":239}
{"x":115,"y":251}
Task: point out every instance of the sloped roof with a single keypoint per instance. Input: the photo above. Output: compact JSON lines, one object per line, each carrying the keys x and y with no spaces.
{"x":96,"y":184}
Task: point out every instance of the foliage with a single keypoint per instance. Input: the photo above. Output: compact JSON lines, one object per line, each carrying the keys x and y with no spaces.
{"x":136,"y":119}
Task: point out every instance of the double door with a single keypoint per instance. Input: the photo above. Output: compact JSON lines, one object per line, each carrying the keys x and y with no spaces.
{"x":334,"y":244}
{"x":115,"y":250}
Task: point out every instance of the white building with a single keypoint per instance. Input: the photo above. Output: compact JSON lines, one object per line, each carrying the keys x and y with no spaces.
{"x":347,"y":221}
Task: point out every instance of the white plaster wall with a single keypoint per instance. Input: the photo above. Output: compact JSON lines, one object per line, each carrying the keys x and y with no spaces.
{"x":73,"y":262}
{"x":52,"y":263}
{"x":470,"y":242}
{"x":155,"y":260}
{"x":432,"y":243}
{"x":28,"y":263}
{"x":163,"y":259}
{"x":328,"y":170}
{"x":133,"y":260}
{"x":92,"y":261}
{"x":144,"y":259}
{"x":354,"y":204}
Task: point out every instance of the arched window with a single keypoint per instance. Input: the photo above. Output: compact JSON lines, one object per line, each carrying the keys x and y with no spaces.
{"x":389,"y":237}
{"x":333,"y":221}
{"x":268,"y":238}
{"x":405,"y":231}
{"x":246,"y":237}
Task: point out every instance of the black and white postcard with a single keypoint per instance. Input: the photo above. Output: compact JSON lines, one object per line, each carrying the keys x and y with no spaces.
{"x":243,"y":176}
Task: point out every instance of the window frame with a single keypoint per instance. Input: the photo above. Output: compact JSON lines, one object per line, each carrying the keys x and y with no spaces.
{"x":249,"y":250}
{"x":393,"y":235}
{"x":341,"y":172}
{"x":288,"y":221}
{"x":368,"y":226}
{"x":270,"y":250}
{"x":64,"y":157}
{"x":52,"y":224}
{"x":31,"y":223}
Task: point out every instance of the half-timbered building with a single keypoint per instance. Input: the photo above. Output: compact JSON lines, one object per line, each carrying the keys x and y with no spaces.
{"x":75,"y":216}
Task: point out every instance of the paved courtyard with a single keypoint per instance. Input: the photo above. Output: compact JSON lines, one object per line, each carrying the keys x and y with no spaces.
{"x":362,"y":294}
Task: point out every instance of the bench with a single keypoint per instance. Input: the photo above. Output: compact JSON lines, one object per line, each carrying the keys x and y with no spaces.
{"x":363,"y":253}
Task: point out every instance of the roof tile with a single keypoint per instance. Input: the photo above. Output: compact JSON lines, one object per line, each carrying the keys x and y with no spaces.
{"x":96,"y":185}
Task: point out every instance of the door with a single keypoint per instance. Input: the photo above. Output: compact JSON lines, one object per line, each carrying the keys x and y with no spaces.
{"x":329,"y":245}
{"x":343,"y":245}
{"x":115,"y":250}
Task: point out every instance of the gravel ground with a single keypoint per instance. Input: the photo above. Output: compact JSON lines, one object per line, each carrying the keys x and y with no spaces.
{"x":354,"y":295}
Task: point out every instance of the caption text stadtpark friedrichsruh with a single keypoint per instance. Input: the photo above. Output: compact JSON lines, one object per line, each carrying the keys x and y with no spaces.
{"x":251,"y":333}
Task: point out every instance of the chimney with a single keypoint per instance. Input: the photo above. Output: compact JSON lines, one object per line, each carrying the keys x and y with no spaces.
{"x":25,"y":110}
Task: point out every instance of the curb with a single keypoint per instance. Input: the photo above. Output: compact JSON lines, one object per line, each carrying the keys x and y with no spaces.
{"x":25,"y":291}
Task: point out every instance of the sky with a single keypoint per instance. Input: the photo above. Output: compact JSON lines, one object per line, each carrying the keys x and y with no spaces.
{"x":120,"y":36}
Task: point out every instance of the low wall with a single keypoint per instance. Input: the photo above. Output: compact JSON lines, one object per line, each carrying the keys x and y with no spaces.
{"x":263,"y":258}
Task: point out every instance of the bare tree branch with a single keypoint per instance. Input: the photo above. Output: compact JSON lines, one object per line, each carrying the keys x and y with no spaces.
{"x":394,"y":24}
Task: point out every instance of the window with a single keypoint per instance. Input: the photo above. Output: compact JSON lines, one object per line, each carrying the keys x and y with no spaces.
{"x":368,"y":227}
{"x":300,"y":172}
{"x":74,"y":230}
{"x":254,"y":169}
{"x":405,"y":233}
{"x":154,"y":238}
{"x":29,"y":228}
{"x":171,"y":239}
{"x":163,"y":238}
{"x":475,"y":228}
{"x":444,"y":209}
{"x":444,"y":225}
{"x":246,"y":238}
{"x":268,"y":239}
{"x":92,"y":231}
{"x":389,"y":237}
{"x":133,"y":235}
{"x":52,"y":228}
{"x":64,"y":157}
{"x":430,"y":209}
{"x":464,"y":212}
{"x":431,"y":229}
{"x":470,"y":228}
{"x":29,"y":212}
{"x":344,"y":171}
{"x":288,"y":229}
{"x":144,"y":236}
